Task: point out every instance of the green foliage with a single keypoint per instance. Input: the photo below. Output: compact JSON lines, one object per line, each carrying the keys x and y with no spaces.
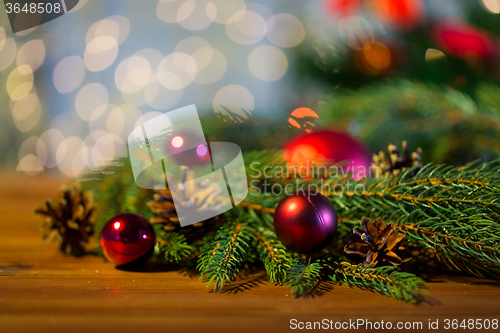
{"x":449,"y":125}
{"x":116,"y":192}
{"x":468,"y":243}
{"x":173,"y":247}
{"x":273,"y":254}
{"x":219,"y":261}
{"x":303,"y":276}
{"x":385,"y":280}
{"x":453,"y":210}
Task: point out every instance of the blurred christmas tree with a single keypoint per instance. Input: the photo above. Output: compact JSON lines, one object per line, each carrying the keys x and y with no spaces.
{"x":394,"y":69}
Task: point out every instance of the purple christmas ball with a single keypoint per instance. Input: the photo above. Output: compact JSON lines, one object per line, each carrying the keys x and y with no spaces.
{"x":305,"y":222}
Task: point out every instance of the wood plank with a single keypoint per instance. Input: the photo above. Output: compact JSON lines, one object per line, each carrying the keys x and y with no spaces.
{"x":43,"y":290}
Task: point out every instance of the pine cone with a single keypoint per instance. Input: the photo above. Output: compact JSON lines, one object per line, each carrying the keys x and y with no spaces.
{"x":70,"y":219}
{"x":396,"y":164}
{"x":203,"y":197}
{"x":377,"y":242}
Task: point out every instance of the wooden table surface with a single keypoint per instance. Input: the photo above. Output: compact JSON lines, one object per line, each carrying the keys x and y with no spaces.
{"x":43,"y":290}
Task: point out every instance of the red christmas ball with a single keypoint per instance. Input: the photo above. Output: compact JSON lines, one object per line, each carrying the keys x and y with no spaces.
{"x":305,"y":222}
{"x":329,"y":147}
{"x":343,"y":8}
{"x":463,"y":40}
{"x":127,"y":239}
{"x":400,"y":14}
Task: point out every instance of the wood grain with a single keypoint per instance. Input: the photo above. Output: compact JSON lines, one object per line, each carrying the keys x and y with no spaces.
{"x":43,"y":290}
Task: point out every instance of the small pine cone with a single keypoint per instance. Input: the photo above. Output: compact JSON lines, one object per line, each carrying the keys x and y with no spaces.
{"x":376,"y":242}
{"x":395,"y":164}
{"x":70,"y":219}
{"x":203,"y":197}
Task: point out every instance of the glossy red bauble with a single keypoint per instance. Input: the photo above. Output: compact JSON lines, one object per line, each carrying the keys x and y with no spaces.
{"x":329,"y":147}
{"x":400,"y":14}
{"x":342,"y":8}
{"x":305,"y":222}
{"x":463,"y":40}
{"x":127,"y":239}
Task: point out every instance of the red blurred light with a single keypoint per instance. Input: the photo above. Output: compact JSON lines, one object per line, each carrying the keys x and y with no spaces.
{"x":117,"y":225}
{"x":177,"y":141}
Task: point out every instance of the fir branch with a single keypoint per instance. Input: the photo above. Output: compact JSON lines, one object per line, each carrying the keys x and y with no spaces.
{"x":466,"y":243}
{"x":435,"y":190}
{"x":173,"y":247}
{"x":273,"y":254}
{"x":385,"y":280}
{"x":302,"y":277}
{"x":219,"y":262}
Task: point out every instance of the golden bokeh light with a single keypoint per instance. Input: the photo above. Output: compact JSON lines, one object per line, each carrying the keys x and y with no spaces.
{"x":69,"y":74}
{"x":3,"y":38}
{"x":20,"y":82}
{"x":30,"y":165}
{"x":100,"y":53}
{"x":434,"y":54}
{"x":214,"y":71}
{"x":26,"y":106}
{"x":196,"y":14}
{"x":116,"y":27}
{"x":493,"y":6}
{"x":27,"y":147}
{"x":133,"y":74}
{"x":8,"y":53}
{"x":91,"y":101}
{"x":32,"y":53}
{"x":121,"y":120}
{"x":46,"y":147}
{"x":197,"y":48}
{"x":176,"y":71}
{"x":235,"y":102}
{"x":98,"y":123}
{"x":167,"y":10}
{"x":285,"y":30}
{"x":225,"y":9}
{"x":246,"y":27}
{"x":70,"y":156}
{"x":374,"y":59}
{"x":268,"y":63}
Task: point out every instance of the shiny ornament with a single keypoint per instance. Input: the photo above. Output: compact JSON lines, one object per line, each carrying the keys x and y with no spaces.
{"x":327,"y":148}
{"x":399,"y":14}
{"x":305,"y":222}
{"x":176,"y":148}
{"x":465,"y":41}
{"x":343,"y":8}
{"x":127,"y":239}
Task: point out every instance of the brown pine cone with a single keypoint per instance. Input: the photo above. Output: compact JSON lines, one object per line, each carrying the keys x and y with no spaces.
{"x":376,"y":242}
{"x":395,"y":164}
{"x":203,"y":197}
{"x":70,"y":219}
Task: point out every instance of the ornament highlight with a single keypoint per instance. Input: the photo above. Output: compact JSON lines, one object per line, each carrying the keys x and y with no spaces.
{"x":127,"y":239}
{"x":465,"y":41}
{"x":305,"y":222}
{"x":327,"y":148}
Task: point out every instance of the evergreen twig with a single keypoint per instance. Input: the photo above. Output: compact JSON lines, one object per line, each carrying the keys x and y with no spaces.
{"x":219,"y":262}
{"x":385,"y":280}
{"x":303,"y":276}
